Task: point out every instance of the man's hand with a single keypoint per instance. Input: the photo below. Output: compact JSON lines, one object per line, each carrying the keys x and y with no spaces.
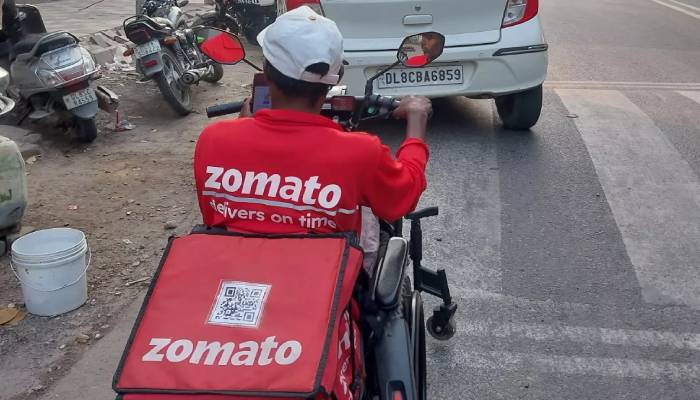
{"x":415,"y":110}
{"x":247,"y":110}
{"x":413,"y":106}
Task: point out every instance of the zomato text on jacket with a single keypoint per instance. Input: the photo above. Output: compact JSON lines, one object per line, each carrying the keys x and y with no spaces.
{"x":291,"y":188}
{"x":210,"y":353}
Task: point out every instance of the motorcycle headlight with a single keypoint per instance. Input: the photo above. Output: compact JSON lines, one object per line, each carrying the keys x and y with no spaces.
{"x":49,"y":77}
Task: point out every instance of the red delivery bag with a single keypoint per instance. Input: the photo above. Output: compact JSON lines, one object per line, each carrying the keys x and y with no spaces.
{"x":232,"y":316}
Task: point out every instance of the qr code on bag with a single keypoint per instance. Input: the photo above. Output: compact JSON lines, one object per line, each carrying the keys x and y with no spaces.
{"x":239,"y":304}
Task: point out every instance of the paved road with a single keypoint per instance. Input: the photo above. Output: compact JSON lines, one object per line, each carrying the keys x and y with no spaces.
{"x":573,"y":249}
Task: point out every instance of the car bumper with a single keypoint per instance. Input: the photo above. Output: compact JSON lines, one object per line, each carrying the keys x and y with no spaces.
{"x":516,"y":63}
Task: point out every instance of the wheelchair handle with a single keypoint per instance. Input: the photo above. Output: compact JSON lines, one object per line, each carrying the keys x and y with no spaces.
{"x":424,"y":213}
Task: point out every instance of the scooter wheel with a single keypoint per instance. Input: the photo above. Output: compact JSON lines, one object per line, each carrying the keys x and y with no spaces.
{"x":441,"y":332}
{"x":86,"y":129}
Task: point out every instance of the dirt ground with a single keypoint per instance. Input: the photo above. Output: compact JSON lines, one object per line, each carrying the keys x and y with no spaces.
{"x":126,"y":186}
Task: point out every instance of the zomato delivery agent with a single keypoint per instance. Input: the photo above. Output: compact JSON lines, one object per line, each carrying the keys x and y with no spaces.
{"x":289,"y":169}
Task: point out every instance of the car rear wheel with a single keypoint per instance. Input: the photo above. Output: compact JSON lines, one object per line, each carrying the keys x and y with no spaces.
{"x":520,"y":111}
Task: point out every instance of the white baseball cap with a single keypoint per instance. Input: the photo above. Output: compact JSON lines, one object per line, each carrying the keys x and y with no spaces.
{"x":300,"y":38}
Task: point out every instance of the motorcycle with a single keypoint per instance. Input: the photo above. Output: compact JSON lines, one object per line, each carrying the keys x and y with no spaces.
{"x":168,"y":53}
{"x":54,"y":76}
{"x":170,"y":9}
{"x":247,"y":17}
{"x":391,"y":302}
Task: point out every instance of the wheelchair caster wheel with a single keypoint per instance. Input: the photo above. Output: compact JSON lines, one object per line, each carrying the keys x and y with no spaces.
{"x":440,"y":332}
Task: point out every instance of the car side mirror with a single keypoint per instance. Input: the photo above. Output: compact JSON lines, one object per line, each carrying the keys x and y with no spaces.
{"x":220,"y":46}
{"x":419,"y":50}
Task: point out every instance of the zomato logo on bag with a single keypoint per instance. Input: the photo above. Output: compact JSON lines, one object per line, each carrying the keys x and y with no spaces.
{"x":209,"y":353}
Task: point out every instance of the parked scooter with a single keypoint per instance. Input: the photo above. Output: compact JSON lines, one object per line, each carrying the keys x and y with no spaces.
{"x":171,"y":57}
{"x":54,"y":76}
{"x":240,"y":17}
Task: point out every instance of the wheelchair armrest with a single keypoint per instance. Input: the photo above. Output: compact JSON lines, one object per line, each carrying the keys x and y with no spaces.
{"x":390,"y":272}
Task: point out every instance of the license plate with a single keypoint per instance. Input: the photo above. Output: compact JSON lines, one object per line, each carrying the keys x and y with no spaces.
{"x":147,"y":49}
{"x":80,"y":98}
{"x":415,"y":77}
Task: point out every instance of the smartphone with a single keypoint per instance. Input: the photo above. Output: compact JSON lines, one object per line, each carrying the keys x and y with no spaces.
{"x":261,"y":93}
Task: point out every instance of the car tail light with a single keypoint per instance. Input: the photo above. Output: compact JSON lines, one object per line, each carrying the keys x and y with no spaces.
{"x":314,"y":4}
{"x":519,"y":11}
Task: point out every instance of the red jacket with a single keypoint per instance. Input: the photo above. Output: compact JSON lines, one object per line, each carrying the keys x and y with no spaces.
{"x":292,"y":172}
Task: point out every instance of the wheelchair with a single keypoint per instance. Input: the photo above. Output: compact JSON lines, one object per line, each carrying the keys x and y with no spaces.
{"x":393,"y":321}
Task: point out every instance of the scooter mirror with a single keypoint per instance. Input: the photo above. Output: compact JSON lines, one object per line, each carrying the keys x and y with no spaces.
{"x":420,"y":50}
{"x":220,"y":46}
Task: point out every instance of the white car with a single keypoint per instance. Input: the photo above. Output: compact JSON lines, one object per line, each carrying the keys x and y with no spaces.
{"x":493,"y":49}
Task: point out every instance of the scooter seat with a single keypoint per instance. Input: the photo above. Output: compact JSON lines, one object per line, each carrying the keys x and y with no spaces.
{"x":27,"y":43}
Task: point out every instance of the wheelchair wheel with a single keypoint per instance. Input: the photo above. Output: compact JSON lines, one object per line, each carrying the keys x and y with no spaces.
{"x":415,"y":317}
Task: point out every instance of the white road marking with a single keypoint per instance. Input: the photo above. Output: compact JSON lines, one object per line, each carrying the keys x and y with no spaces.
{"x":622,"y":85}
{"x":677,"y":8}
{"x":580,"y":334}
{"x":653,"y":193}
{"x":684,"y":5}
{"x":597,"y":366}
{"x":695,"y":96}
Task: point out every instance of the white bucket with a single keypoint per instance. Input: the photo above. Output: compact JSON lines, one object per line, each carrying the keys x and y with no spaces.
{"x":51,"y":265}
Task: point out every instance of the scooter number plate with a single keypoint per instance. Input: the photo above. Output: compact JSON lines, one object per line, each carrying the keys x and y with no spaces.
{"x":147,"y":49}
{"x":80,"y":98}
